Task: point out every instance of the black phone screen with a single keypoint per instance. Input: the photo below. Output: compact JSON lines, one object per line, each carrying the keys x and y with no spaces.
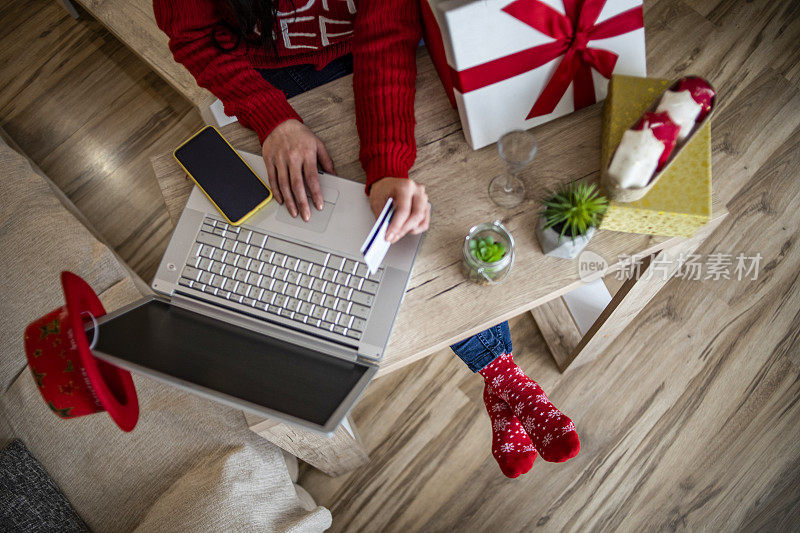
{"x":222,"y":174}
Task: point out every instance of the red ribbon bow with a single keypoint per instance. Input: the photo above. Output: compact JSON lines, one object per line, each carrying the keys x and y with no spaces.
{"x":572,"y":33}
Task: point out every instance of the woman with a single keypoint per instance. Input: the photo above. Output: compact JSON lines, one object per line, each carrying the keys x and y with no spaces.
{"x":253,"y":54}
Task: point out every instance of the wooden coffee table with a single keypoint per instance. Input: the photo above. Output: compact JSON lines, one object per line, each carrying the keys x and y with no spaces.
{"x":440,"y":305}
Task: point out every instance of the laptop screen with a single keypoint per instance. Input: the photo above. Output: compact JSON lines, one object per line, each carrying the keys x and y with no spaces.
{"x":231,"y":360}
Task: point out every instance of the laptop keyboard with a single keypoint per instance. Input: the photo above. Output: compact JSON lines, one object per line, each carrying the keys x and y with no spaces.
{"x":308,"y":286}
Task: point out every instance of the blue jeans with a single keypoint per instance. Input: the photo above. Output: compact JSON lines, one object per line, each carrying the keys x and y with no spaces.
{"x":298,"y":79}
{"x":481,"y":349}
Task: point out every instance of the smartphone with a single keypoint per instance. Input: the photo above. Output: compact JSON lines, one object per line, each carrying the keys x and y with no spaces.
{"x":220,"y":172}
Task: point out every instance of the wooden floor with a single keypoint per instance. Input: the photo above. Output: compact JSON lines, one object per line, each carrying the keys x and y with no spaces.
{"x":690,"y":420}
{"x":91,"y":114}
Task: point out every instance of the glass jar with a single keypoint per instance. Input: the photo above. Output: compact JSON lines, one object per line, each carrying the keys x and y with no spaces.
{"x":479,"y":271}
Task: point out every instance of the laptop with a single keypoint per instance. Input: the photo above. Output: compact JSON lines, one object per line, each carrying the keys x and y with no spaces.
{"x":277,"y":316}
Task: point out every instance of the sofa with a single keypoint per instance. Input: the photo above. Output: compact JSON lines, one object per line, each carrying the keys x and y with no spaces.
{"x":190,"y":464}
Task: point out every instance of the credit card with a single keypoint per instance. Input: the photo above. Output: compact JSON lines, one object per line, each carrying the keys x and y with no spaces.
{"x":376,"y":246}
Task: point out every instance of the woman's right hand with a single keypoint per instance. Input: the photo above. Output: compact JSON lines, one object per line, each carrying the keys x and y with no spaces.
{"x":291,"y":152}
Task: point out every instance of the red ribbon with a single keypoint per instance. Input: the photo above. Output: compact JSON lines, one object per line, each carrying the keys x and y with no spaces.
{"x":572,"y":33}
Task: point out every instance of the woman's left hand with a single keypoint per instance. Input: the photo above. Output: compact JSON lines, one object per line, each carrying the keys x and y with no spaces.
{"x":412,"y":212}
{"x":291,"y":152}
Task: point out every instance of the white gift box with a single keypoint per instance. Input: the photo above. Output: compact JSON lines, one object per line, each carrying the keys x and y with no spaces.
{"x":490,"y":45}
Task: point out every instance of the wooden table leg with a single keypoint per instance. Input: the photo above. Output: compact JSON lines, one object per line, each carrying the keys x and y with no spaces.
{"x":335,"y":455}
{"x":570,"y":348}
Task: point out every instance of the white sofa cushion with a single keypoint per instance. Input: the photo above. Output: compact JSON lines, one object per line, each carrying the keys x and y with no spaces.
{"x":185,"y":454}
{"x":39,"y":238}
{"x":190,"y":464}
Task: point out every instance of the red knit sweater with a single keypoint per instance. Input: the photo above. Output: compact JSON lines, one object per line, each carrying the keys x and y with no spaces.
{"x":382,"y":35}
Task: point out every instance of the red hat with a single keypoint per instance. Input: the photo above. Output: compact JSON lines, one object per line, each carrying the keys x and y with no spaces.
{"x":72,"y":381}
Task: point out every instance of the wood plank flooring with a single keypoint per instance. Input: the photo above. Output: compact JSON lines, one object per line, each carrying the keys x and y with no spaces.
{"x":91,"y":114}
{"x":690,"y":420}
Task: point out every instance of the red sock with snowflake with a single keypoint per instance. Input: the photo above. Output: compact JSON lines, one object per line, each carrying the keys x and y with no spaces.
{"x":553,"y":433}
{"x":511,"y":446}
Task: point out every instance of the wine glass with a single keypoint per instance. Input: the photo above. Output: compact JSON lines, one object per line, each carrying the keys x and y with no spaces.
{"x":517,"y":149}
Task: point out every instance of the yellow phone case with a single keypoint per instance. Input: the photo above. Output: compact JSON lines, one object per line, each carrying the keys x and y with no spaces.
{"x":246,"y":216}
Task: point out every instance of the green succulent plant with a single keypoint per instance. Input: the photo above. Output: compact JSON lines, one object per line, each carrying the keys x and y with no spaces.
{"x":574,"y":208}
{"x":486,"y":250}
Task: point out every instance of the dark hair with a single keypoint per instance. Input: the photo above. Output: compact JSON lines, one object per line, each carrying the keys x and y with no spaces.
{"x":249,"y":14}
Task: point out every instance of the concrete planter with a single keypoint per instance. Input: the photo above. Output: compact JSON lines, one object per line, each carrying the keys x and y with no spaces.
{"x":568,"y":248}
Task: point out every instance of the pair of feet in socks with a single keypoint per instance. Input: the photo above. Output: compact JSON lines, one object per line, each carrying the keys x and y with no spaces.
{"x":524,"y":421}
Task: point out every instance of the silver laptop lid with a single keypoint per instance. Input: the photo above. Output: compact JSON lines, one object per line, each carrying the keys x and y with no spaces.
{"x":231,"y":364}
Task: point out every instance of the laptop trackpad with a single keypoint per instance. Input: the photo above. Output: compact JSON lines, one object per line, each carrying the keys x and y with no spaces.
{"x":319,"y":219}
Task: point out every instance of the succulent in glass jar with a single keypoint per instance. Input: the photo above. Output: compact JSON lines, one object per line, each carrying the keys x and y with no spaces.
{"x":487,"y":250}
{"x":488,"y":253}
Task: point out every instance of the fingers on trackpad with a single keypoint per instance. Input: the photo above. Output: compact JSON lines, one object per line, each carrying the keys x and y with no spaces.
{"x":319,"y":219}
